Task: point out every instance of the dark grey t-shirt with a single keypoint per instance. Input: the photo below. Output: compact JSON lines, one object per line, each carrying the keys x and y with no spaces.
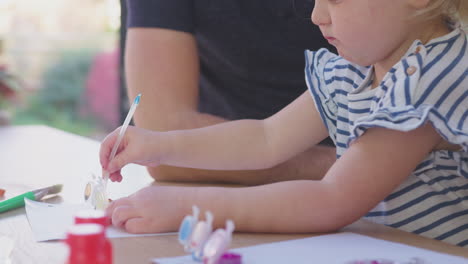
{"x":251,"y":51}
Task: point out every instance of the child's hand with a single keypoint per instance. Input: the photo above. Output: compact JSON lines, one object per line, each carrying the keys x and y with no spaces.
{"x":138,"y":146}
{"x":153,"y":209}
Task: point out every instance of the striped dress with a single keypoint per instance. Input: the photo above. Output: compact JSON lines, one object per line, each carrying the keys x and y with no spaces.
{"x":428,"y":84}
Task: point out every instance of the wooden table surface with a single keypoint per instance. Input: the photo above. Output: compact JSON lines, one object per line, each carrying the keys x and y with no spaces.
{"x":33,"y":157}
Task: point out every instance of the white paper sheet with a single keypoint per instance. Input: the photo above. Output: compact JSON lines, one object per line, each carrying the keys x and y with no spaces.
{"x":6,"y":246}
{"x":51,"y":221}
{"x":330,"y":249}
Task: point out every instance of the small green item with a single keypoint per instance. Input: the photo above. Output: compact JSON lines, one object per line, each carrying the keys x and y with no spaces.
{"x":16,"y":202}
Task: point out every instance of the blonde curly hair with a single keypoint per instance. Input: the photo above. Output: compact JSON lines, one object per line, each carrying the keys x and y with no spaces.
{"x":455,"y":12}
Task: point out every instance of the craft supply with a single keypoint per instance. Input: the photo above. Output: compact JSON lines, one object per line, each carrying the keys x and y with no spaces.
{"x":92,"y":217}
{"x":339,"y":248}
{"x":387,"y":261}
{"x":95,"y":194}
{"x":187,"y":226}
{"x":18,"y":201}
{"x":196,"y":237}
{"x":95,"y":191}
{"x":200,"y":235}
{"x":51,"y":221}
{"x":2,"y":192}
{"x":230,"y":258}
{"x":124,"y":127}
{"x":87,"y":244}
{"x":218,"y":243}
{"x":96,"y":217}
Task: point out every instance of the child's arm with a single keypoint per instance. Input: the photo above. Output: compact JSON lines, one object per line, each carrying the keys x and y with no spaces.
{"x":369,"y":171}
{"x":243,"y":144}
{"x":248,"y":144}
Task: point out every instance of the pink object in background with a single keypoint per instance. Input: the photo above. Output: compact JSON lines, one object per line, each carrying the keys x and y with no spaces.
{"x":102,"y":89}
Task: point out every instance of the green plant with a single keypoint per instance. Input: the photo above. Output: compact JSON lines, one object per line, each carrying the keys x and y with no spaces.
{"x":58,"y":101}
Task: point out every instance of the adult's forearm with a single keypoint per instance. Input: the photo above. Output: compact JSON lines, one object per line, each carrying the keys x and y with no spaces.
{"x":310,"y":165}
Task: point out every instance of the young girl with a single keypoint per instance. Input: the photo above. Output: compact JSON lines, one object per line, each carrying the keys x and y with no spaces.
{"x":400,"y":126}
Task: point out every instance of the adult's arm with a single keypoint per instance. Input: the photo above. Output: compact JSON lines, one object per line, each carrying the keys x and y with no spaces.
{"x":163,"y":65}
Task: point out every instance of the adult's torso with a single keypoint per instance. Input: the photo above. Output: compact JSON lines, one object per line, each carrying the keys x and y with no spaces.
{"x":251,"y":51}
{"x":251,"y":55}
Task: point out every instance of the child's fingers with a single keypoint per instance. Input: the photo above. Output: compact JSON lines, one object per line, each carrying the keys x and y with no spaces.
{"x":116,"y":176}
{"x":110,"y":209}
{"x":137,"y":225}
{"x":106,"y":148}
{"x":122,"y":214}
{"x":118,"y":162}
{"x":114,"y":204}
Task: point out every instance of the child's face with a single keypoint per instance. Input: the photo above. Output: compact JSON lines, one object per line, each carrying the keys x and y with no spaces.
{"x":365,"y":31}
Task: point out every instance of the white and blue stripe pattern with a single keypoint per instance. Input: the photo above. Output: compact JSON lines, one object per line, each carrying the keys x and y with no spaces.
{"x":433,"y":201}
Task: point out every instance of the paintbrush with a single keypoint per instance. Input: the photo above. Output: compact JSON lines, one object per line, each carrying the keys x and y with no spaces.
{"x":18,"y":201}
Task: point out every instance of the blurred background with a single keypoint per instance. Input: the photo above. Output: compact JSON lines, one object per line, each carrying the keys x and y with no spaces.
{"x":59,"y":64}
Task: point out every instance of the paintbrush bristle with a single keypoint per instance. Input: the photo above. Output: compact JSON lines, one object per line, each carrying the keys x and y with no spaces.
{"x":55,"y":189}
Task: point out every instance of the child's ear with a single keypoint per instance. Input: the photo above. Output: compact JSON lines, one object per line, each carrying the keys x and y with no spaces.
{"x":419,"y":4}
